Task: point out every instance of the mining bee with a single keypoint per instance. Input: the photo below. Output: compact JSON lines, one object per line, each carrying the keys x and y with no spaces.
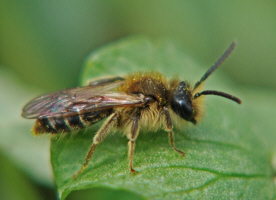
{"x":140,"y":100}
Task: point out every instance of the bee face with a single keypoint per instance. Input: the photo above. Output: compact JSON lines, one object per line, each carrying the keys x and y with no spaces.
{"x":181,"y":102}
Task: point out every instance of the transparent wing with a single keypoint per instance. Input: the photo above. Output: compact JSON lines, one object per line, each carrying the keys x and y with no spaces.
{"x":78,"y":100}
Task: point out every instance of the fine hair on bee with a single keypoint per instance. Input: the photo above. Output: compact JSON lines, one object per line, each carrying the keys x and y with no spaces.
{"x":145,"y":100}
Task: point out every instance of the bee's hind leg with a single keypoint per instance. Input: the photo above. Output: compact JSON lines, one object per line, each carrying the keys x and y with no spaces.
{"x":99,"y":137}
{"x":170,"y":131}
{"x":104,"y":81}
{"x":132,"y":135}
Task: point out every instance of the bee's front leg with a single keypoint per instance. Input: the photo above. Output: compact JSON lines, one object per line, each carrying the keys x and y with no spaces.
{"x":169,"y":127}
{"x":132,"y":135}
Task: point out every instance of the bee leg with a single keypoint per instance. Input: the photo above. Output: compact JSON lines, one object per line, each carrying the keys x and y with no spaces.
{"x":104,"y":81}
{"x":99,"y":137}
{"x":131,"y":143}
{"x":169,"y":126}
{"x":88,"y":157}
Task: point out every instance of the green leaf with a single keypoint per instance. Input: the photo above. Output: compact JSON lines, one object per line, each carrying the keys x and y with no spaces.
{"x":228,"y":155}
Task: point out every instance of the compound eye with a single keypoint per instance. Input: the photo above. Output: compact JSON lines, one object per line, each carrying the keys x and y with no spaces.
{"x":181,"y":102}
{"x":185,"y":108}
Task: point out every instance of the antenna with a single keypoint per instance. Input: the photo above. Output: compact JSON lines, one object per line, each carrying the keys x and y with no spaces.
{"x":218,"y":93}
{"x":217,"y":64}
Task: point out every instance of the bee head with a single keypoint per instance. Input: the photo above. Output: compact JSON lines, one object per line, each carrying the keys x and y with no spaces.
{"x":181,"y":102}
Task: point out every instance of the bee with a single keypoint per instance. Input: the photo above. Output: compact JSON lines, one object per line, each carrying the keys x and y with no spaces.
{"x":140,"y":100}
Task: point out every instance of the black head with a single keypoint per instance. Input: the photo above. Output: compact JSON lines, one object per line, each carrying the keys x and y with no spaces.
{"x":182,"y":102}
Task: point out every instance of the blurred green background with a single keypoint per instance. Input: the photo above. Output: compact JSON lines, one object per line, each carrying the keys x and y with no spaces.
{"x":43,"y":45}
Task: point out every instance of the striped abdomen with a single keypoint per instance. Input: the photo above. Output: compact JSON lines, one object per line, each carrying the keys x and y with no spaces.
{"x":73,"y":123}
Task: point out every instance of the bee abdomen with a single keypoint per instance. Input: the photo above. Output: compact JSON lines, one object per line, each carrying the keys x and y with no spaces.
{"x":73,"y":123}
{"x":51,"y":125}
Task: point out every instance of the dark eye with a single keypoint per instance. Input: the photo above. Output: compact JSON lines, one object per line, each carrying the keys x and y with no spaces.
{"x":181,"y":102}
